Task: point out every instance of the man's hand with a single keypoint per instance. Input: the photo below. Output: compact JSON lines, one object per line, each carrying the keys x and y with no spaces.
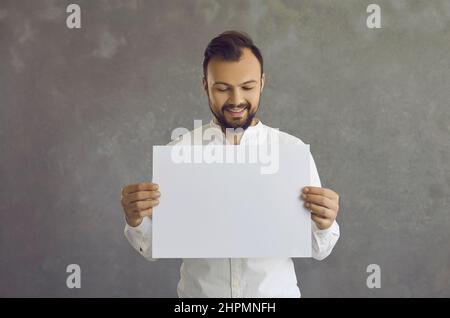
{"x":323,"y":204}
{"x":138,"y":201}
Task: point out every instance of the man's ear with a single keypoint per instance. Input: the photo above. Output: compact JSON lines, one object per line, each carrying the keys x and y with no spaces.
{"x":205,"y":85}
{"x":263,"y":80}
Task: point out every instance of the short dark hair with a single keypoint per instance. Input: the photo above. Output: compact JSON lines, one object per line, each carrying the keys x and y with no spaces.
{"x":228,"y":46}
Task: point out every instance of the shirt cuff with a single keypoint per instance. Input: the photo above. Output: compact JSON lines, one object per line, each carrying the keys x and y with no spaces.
{"x":324,"y":232}
{"x":141,"y":228}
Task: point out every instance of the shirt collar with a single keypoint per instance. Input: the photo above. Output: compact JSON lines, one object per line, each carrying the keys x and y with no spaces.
{"x":251,"y":134}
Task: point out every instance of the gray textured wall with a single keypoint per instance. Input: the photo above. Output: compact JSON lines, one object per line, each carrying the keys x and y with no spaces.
{"x":80,"y":110}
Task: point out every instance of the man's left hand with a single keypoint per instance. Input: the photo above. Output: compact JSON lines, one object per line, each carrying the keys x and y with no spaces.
{"x":323,"y":203}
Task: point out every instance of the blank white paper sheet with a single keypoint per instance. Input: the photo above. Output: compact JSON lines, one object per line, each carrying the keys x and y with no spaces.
{"x":214,"y":206}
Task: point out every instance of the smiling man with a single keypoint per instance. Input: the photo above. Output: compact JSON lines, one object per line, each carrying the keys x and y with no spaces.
{"x":233,"y":80}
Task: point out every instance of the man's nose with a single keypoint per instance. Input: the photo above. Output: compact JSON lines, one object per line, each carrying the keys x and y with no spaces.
{"x":236,"y":97}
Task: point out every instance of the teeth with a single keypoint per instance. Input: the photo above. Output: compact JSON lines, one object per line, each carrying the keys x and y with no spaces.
{"x":236,"y":110}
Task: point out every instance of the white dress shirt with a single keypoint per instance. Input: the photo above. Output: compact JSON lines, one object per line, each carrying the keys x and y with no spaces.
{"x":239,"y":277}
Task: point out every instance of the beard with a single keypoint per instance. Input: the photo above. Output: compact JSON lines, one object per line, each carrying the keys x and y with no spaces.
{"x":234,"y":123}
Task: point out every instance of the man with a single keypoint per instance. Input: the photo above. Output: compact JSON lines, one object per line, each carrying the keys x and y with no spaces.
{"x":233,"y":81}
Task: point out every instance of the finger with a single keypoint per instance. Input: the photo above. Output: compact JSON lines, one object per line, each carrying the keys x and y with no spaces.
{"x":142,"y":205}
{"x":321,"y":191}
{"x":319,"y":210}
{"x":319,"y":200}
{"x":141,"y":196}
{"x":320,"y":222}
{"x":143,"y":186}
{"x":147,"y":212}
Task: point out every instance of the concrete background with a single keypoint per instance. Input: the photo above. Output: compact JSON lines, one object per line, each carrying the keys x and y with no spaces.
{"x":81,"y":109}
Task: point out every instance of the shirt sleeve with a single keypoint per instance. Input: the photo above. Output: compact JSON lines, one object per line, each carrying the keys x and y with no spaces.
{"x":140,"y":237}
{"x":323,"y":241}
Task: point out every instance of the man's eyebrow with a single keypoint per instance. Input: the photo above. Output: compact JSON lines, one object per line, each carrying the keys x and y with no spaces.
{"x":223,"y":83}
{"x":248,"y":82}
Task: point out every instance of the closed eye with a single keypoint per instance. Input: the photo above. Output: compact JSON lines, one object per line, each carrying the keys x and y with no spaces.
{"x":222,"y":89}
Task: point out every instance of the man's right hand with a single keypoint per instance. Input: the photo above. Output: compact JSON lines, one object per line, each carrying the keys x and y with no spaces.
{"x":138,"y":201}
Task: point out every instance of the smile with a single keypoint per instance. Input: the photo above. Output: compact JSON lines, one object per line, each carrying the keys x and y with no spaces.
{"x":236,"y":112}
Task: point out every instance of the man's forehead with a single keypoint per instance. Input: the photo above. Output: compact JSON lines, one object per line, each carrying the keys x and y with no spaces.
{"x":235,"y":72}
